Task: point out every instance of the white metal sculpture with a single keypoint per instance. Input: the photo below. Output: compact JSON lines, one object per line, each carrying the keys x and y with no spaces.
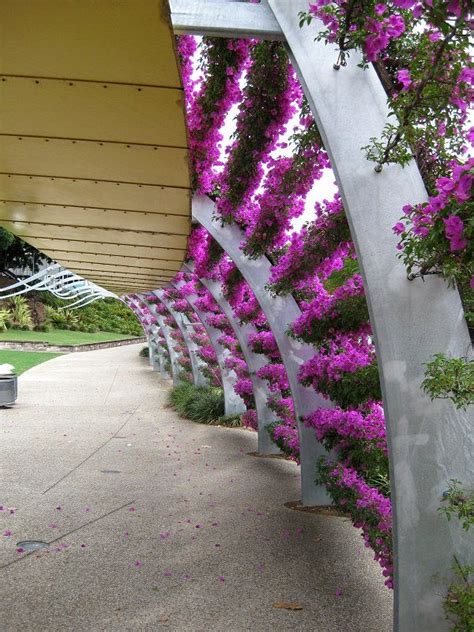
{"x":62,"y":283}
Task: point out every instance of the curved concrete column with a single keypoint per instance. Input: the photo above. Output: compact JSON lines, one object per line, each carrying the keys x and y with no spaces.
{"x":175,"y":367}
{"x":280,"y":312}
{"x":198,"y":378}
{"x":429,"y":442}
{"x":158,"y":361}
{"x":234,"y":404}
{"x":254,"y":361}
{"x":156,"y":357}
{"x":153,"y":358}
{"x":153,"y":353}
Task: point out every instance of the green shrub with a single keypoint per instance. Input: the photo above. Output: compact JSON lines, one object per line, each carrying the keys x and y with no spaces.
{"x":5,"y":315}
{"x":180,"y":396}
{"x":459,"y":503}
{"x":232,"y":421}
{"x":110,"y":315}
{"x":20,"y":313}
{"x":450,"y":378}
{"x":202,"y":404}
{"x":62,"y":318}
{"x":144,"y":352}
{"x":207,"y":406}
{"x":44,"y":327}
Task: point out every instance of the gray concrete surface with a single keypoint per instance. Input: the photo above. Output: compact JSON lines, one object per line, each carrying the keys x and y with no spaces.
{"x":190,"y":533}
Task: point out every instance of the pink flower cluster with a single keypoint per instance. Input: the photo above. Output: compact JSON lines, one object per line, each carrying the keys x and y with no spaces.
{"x":249,"y":419}
{"x":284,"y":408}
{"x":370,"y":501}
{"x":181,"y":305}
{"x":311,"y":246}
{"x":325,"y":305}
{"x":287,"y":183}
{"x":185,"y":362}
{"x":264,"y":342}
{"x":187,"y":46}
{"x":452,"y":191}
{"x":207,"y":354}
{"x":245,"y":305}
{"x":161,"y":309}
{"x":346,"y":353}
{"x":228,"y":341}
{"x":275,"y":375}
{"x":283,"y":107}
{"x":205,"y":135}
{"x":218,"y":321}
{"x":289,"y":438}
{"x":243,"y":387}
{"x":365,"y":423}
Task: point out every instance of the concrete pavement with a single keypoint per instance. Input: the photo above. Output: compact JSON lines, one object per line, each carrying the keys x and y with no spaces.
{"x":155,"y":522}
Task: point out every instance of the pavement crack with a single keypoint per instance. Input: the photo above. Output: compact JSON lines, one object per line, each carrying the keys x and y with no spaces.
{"x":112,"y":383}
{"x":64,"y":535}
{"x":92,"y":453}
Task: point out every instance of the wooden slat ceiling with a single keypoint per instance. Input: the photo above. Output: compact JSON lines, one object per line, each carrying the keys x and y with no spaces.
{"x":93,"y":144}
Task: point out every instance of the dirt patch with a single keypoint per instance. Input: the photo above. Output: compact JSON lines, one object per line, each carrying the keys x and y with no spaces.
{"x":320,"y":510}
{"x":268,"y":456}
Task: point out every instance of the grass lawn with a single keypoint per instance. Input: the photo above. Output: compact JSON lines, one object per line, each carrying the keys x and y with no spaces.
{"x":24,"y":360}
{"x":60,"y":336}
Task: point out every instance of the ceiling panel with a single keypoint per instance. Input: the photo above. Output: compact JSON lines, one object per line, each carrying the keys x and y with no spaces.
{"x":55,"y":190}
{"x":94,"y":160}
{"x":93,"y":153}
{"x":109,"y":112}
{"x":91,"y":217}
{"x":120,"y":41}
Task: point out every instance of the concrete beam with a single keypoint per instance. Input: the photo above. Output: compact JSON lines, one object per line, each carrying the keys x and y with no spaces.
{"x":216,"y":18}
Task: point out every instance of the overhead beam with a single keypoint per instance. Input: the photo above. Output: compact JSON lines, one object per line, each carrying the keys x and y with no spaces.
{"x":216,"y":18}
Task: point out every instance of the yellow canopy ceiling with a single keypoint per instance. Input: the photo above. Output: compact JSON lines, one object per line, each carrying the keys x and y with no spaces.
{"x":93,"y":145}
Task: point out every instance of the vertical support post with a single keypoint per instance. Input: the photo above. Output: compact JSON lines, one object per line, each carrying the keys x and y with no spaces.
{"x":158,"y":356}
{"x":233,"y":403}
{"x":153,"y":354}
{"x":175,"y":368}
{"x":254,"y":361}
{"x":430,"y":442}
{"x":280,"y":313}
{"x":198,"y":377}
{"x":150,"y":331}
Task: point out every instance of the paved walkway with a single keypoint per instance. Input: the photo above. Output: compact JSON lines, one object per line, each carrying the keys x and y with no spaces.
{"x":158,"y":523}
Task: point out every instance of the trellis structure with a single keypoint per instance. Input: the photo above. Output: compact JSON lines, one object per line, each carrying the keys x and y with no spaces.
{"x":409,"y":320}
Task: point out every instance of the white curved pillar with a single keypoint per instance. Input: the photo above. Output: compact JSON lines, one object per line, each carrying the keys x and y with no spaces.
{"x":430,"y":442}
{"x":234,"y":404}
{"x":280,"y":313}
{"x":198,"y":378}
{"x":254,"y":361}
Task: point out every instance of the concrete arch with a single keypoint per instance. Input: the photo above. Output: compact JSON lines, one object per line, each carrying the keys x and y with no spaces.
{"x":350,"y":107}
{"x":156,"y":358}
{"x":198,"y":377}
{"x":280,"y":312}
{"x":254,"y":361}
{"x":173,"y":354}
{"x":233,"y":403}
